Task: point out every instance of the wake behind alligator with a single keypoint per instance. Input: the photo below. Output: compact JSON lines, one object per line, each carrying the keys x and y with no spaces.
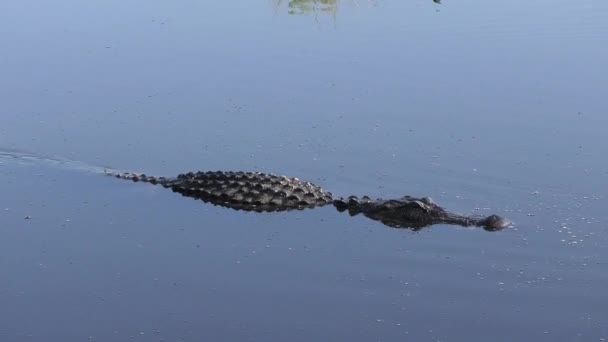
{"x":263,"y":192}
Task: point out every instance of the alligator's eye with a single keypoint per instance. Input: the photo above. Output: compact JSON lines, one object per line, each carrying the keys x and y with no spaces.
{"x":418,"y":204}
{"x":427,"y":200}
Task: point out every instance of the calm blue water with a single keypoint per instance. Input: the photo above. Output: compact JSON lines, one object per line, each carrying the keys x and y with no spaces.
{"x":487,"y":107}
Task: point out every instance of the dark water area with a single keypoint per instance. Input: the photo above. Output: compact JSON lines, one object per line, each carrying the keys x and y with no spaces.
{"x":487,"y":107}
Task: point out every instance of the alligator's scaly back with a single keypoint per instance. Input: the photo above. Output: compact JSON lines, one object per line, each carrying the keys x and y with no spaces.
{"x":251,"y":191}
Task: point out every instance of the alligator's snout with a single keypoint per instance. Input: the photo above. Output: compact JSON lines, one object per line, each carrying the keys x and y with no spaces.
{"x":493,"y":223}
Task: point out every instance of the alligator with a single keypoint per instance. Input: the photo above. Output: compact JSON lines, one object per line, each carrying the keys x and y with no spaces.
{"x":265,"y":192}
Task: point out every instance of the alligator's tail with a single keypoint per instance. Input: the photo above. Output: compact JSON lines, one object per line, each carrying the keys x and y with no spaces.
{"x":140,"y":177}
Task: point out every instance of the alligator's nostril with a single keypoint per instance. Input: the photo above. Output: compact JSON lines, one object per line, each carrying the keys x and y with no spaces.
{"x":493,"y":223}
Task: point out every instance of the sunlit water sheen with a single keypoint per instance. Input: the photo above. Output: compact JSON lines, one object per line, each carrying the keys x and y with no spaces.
{"x":487,"y":107}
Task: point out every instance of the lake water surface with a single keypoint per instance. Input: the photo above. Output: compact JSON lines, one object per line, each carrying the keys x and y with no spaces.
{"x":487,"y":107}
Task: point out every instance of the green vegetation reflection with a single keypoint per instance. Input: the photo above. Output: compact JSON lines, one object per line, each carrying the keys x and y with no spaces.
{"x":305,"y":7}
{"x":314,"y":7}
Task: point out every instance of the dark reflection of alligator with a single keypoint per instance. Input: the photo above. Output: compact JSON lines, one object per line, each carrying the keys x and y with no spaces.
{"x":254,"y":191}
